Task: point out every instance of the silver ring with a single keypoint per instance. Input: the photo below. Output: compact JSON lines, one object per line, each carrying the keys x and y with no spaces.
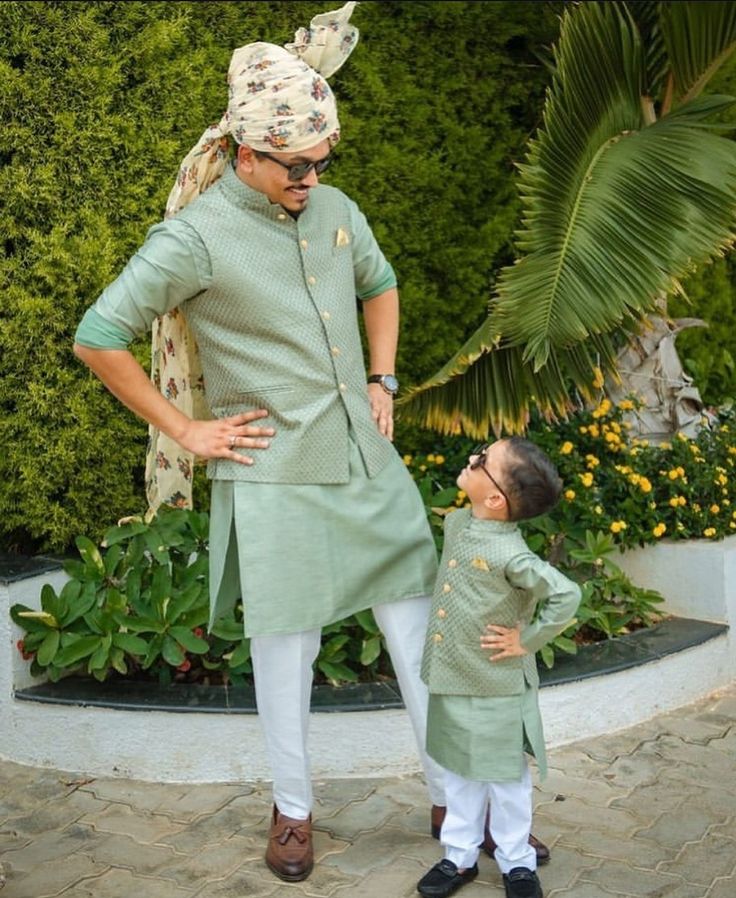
{"x":232,"y":441}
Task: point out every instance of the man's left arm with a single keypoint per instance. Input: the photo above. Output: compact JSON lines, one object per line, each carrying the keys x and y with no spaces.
{"x":381,"y":318}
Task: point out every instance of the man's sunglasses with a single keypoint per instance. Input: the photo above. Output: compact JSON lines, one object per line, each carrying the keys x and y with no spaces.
{"x":480,"y":462}
{"x":301,"y":169}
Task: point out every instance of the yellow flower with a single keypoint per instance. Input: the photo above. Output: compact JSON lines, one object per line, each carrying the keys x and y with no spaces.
{"x":586,"y":479}
{"x":694,"y":448}
{"x":593,"y":462}
{"x":618,"y":526}
{"x":407,"y":459}
{"x":615,"y":427}
{"x":422,"y":467}
{"x":644,"y":485}
{"x":439,"y":459}
{"x":612,"y":437}
{"x":714,"y":509}
{"x":673,"y":474}
{"x":659,"y":530}
{"x":594,"y":430}
{"x":430,"y":457}
{"x":732,"y":450}
{"x":722,"y":479}
{"x":569,"y":495}
{"x":732,"y":525}
{"x":680,"y":470}
{"x":696,"y":507}
{"x":665,"y":445}
{"x":652,"y":505}
{"x":461,"y":494}
{"x":583,"y":429}
{"x":626,"y":405}
{"x":682,"y":437}
{"x":709,"y":531}
{"x":566,"y":448}
{"x":635,"y":478}
{"x":598,"y":379}
{"x":678,"y":500}
{"x":598,"y":509}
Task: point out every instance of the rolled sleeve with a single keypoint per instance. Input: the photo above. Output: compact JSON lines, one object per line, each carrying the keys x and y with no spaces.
{"x":171,"y":267}
{"x":373,"y":274}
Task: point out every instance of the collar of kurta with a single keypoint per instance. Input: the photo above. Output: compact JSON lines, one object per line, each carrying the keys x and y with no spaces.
{"x":246,"y":197}
{"x":492,"y":526}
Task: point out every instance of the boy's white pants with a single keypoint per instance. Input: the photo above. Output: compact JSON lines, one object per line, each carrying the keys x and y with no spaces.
{"x":511,"y":821}
{"x":282,"y":671}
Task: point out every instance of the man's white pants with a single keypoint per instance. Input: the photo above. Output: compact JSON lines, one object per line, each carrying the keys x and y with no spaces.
{"x":511,"y":821}
{"x":282,"y":671}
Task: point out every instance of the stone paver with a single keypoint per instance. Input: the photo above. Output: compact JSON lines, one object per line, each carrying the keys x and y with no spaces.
{"x":648,"y":812}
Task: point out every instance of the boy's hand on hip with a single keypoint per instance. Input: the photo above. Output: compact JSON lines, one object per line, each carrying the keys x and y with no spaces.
{"x":504,"y":642}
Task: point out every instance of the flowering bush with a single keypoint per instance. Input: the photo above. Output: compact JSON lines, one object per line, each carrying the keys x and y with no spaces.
{"x":617,"y":494}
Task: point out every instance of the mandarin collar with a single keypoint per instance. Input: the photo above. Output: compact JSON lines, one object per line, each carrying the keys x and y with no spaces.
{"x":488,"y":525}
{"x":246,"y":197}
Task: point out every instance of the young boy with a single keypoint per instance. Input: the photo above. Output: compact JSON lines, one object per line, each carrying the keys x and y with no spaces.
{"x":483,"y":709}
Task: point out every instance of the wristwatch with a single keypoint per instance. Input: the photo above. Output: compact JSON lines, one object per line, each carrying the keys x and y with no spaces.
{"x":387,"y":381}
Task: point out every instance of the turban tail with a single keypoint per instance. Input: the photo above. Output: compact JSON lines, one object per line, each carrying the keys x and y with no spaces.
{"x":278,"y":100}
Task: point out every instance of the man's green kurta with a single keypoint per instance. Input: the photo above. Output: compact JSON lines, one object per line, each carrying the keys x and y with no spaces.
{"x":271,"y":300}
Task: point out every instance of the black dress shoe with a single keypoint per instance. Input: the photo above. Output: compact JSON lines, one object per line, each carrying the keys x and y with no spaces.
{"x":522,"y":883}
{"x":443,"y":879}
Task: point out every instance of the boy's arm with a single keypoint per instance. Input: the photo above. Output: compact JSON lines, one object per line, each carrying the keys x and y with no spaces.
{"x":558,"y":597}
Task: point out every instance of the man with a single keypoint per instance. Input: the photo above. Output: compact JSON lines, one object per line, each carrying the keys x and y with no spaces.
{"x":313,"y":514}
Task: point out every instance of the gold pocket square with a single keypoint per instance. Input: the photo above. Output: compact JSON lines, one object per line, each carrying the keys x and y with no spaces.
{"x":342,"y":238}
{"x":480,"y":564}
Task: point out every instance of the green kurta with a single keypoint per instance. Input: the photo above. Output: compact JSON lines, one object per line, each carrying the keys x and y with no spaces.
{"x":327,"y":521}
{"x":483,"y":715}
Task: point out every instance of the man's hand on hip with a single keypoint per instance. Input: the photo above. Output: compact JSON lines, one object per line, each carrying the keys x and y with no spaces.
{"x":382,"y":409}
{"x":221,"y":437}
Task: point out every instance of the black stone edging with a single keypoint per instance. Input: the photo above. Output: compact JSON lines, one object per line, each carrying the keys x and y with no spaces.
{"x":14,"y":568}
{"x":641,"y":647}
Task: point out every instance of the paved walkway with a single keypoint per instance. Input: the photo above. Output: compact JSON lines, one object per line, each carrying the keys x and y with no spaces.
{"x":649,"y":811}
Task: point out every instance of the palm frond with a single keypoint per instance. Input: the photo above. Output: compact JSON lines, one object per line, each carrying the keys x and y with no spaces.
{"x":699,"y":38}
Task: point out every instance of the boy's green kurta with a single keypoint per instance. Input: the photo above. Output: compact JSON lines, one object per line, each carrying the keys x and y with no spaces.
{"x":484,"y":714}
{"x":271,"y":300}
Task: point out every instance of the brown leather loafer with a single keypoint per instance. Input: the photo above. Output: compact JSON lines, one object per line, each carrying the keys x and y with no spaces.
{"x":489,"y":846}
{"x":289,"y":854}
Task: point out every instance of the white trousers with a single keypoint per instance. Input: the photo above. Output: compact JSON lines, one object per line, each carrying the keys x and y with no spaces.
{"x":511,"y":821}
{"x":282,"y":671}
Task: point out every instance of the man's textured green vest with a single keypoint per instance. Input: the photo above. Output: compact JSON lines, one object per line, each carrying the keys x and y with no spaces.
{"x":471,"y":592}
{"x":278,"y":328}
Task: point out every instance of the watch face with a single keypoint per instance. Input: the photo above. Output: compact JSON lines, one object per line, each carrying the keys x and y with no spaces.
{"x":390,"y":383}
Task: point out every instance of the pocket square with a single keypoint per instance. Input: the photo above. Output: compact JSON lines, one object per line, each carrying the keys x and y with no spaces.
{"x":342,"y":238}
{"x":480,"y":564}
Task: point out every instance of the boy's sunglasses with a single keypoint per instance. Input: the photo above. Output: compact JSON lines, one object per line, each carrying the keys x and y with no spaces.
{"x":480,"y":462}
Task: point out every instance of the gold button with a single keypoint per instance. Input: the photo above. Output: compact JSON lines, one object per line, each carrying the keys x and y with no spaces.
{"x":281,"y":216}
{"x":312,"y":280}
{"x":336,"y":350}
{"x":304,"y":244}
{"x":343,"y":387}
{"x":437,"y":637}
{"x":446,"y":587}
{"x":442,"y":613}
{"x":452,"y":562}
{"x":326,"y":316}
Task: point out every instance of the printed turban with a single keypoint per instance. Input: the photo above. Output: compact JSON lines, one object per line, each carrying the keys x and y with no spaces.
{"x":278,"y":100}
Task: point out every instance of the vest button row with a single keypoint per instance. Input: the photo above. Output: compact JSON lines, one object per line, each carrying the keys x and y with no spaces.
{"x":281,"y":216}
{"x":326,"y":316}
{"x":343,"y":388}
{"x":441,"y":614}
{"x":446,"y":588}
{"x":311,"y":280}
{"x":452,"y":562}
{"x":437,"y":637}
{"x":304,"y":244}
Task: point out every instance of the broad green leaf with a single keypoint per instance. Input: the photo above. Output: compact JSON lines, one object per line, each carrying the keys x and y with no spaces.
{"x":337,"y":673}
{"x":101,"y":655}
{"x":370,"y":651}
{"x":42,"y":617}
{"x":134,"y":645}
{"x":190,"y":642}
{"x":123,"y":532}
{"x":90,"y":554}
{"x":240,"y":655}
{"x":117,"y":659}
{"x":229,"y":630}
{"x":48,"y":648}
{"x":367,"y":621}
{"x":172,"y":652}
{"x":72,"y":654}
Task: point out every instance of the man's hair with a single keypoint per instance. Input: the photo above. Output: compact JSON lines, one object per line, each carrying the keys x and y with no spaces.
{"x":530,"y":479}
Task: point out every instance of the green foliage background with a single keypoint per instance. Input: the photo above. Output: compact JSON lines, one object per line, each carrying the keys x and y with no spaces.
{"x":99,"y":103}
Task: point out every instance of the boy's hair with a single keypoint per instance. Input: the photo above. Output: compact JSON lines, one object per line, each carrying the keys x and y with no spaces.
{"x":530,"y":479}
